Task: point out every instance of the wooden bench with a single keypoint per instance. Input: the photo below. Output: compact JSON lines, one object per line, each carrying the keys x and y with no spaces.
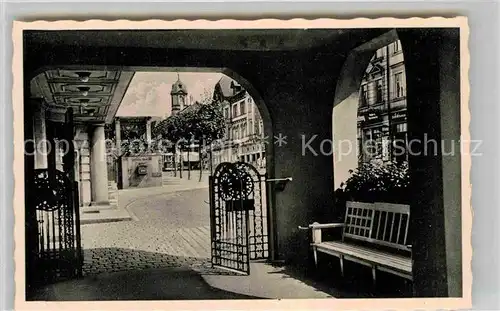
{"x":374,"y":235}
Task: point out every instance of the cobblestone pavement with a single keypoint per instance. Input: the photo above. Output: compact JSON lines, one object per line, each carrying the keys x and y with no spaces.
{"x":172,"y":230}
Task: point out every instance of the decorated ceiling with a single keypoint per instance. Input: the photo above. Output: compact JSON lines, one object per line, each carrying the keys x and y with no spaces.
{"x":94,"y":95}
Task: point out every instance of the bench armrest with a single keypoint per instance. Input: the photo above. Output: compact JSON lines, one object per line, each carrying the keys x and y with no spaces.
{"x":326,"y":226}
{"x":316,"y":229}
{"x":322,"y":226}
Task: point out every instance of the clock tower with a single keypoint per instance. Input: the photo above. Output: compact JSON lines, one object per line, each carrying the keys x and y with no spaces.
{"x":179,"y":95}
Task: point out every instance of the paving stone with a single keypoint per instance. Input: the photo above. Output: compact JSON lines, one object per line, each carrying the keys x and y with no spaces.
{"x":172,"y":230}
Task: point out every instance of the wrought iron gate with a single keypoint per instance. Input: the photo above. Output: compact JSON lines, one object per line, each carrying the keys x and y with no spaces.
{"x":238,"y":216}
{"x":57,"y":253}
{"x":53,"y":241}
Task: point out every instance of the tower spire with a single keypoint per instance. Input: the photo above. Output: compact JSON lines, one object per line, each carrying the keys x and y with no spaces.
{"x":178,"y":94}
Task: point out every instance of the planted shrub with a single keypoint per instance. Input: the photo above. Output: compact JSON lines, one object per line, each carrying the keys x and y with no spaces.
{"x":377,"y":182}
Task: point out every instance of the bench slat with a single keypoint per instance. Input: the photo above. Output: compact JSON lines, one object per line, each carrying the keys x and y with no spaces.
{"x":373,"y":256}
{"x":399,"y":227}
{"x":339,"y":246}
{"x":406,"y":231}
{"x":378,"y":226}
{"x":375,"y":241}
{"x":367,"y":254}
{"x":392,"y":226}
{"x":385,"y":225}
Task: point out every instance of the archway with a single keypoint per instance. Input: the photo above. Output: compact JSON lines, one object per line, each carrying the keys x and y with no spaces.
{"x":255,"y":98}
{"x":431,"y":203}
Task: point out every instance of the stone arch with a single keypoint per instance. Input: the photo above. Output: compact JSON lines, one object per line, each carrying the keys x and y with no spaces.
{"x":345,"y":105}
{"x":252,"y":91}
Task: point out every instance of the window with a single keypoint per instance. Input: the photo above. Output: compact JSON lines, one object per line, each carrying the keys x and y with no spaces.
{"x":401,"y":151}
{"x":243,"y":129}
{"x":242,"y":107}
{"x":397,"y":46}
{"x":226,"y":112}
{"x":398,"y":85}
{"x":401,"y":128}
{"x":235,"y":111}
{"x":378,"y":91}
{"x":364,"y":95}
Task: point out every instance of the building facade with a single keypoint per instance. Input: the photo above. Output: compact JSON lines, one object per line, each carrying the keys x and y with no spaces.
{"x":382,"y":116}
{"x":244,"y":135}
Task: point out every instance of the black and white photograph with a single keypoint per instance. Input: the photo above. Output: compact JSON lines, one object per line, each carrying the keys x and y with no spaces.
{"x":301,"y":160}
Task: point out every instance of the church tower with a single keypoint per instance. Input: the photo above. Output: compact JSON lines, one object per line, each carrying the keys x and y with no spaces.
{"x":179,"y":96}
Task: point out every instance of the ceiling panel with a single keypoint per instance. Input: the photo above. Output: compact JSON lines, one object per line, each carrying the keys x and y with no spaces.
{"x":90,"y":93}
{"x":76,"y":75}
{"x":66,"y":100}
{"x":61,"y":88}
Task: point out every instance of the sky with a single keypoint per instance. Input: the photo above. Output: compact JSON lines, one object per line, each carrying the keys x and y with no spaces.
{"x":149,"y":92}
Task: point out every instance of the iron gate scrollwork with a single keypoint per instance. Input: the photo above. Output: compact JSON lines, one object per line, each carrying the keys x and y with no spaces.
{"x":58,"y":251}
{"x":238,"y":214}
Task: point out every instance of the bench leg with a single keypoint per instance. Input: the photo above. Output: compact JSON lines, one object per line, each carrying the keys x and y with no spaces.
{"x":315,"y":254}
{"x":342,"y":265}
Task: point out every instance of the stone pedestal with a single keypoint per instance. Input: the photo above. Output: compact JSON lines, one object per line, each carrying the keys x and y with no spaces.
{"x":142,"y":171}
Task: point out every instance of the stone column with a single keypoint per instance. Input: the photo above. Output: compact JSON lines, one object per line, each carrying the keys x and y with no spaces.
{"x":148,"y":131}
{"x":40,"y":131}
{"x":118,"y":146}
{"x":84,"y":151}
{"x":118,"y":135}
{"x":98,"y":167}
{"x":435,"y":176}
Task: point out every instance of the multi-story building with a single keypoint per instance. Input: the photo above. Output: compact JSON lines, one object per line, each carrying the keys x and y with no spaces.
{"x":382,"y":107}
{"x":244,"y":126}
